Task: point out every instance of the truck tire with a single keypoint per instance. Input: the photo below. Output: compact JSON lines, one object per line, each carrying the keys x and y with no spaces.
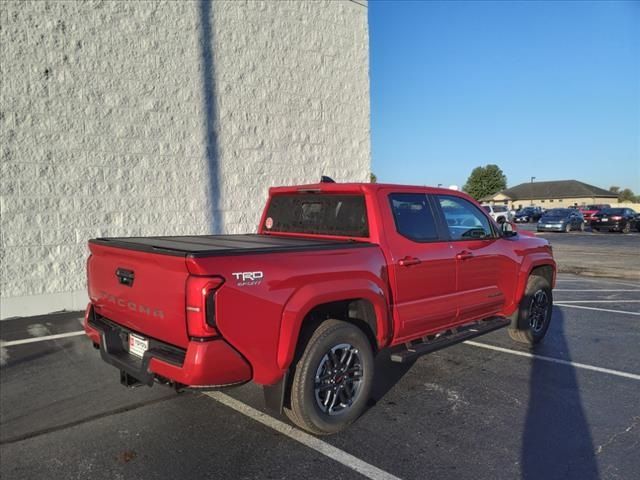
{"x":531,"y":321}
{"x":332,"y":380}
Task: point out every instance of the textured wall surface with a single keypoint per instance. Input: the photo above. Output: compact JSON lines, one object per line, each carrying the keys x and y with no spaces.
{"x":149,"y":118}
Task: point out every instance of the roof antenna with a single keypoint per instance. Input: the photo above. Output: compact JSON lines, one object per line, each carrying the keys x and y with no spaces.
{"x":325,"y":179}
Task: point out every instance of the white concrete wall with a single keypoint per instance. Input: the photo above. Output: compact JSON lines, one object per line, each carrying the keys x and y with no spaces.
{"x":116,"y":121}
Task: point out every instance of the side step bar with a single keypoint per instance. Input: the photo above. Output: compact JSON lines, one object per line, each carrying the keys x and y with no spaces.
{"x":431,"y":343}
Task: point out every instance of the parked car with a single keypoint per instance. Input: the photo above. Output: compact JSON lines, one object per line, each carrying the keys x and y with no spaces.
{"x":500,"y":213}
{"x":335,"y":274}
{"x":616,"y":219}
{"x":588,"y":211}
{"x":561,"y":220}
{"x":528,"y":214}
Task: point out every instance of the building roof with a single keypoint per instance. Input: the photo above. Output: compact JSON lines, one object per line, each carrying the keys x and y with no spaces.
{"x":555,"y":189}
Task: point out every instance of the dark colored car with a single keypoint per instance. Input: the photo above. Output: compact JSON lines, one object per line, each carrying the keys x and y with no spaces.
{"x":616,"y":219}
{"x":528,"y":214}
{"x":561,"y":220}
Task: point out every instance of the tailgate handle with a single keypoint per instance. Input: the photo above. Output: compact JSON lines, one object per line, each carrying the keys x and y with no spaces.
{"x":125,"y":277}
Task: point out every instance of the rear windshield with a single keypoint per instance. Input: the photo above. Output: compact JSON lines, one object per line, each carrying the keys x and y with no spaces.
{"x":612,"y":211}
{"x":558,"y":212}
{"x":318,"y":214}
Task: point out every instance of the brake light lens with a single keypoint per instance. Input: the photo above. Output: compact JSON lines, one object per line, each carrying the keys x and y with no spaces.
{"x":201,"y":306}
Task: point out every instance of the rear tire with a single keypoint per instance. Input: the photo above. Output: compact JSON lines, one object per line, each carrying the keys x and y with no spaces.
{"x":567,"y":228}
{"x":332,"y":380}
{"x":626,"y":228}
{"x":531,"y":321}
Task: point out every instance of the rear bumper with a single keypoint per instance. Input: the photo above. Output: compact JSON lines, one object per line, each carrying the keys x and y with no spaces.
{"x":544,"y":228}
{"x":203,"y":364}
{"x":608,"y":225}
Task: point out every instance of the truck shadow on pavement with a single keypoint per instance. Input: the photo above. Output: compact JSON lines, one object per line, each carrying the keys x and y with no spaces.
{"x":387,"y":375}
{"x":556,"y":441}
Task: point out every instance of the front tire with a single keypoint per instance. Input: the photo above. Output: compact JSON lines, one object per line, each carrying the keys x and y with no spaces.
{"x":332,"y":379}
{"x":531,"y":321}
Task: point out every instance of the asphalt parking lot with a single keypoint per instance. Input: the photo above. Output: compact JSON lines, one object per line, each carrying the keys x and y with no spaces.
{"x":482,"y":410}
{"x":606,"y":254}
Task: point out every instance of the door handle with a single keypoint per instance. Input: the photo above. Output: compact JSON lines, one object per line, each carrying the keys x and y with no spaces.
{"x":407,"y":261}
{"x":464,"y":255}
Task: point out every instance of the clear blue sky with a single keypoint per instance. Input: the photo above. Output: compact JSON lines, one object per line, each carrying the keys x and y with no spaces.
{"x":544,"y":89}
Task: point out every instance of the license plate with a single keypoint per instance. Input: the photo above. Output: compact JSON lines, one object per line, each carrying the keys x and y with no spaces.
{"x":138,"y":345}
{"x":604,"y":219}
{"x":548,"y":226}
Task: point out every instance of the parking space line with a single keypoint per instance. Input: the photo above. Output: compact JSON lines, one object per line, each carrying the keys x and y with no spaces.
{"x":600,"y":281}
{"x":42,"y":339}
{"x":597,"y":301}
{"x":583,"y":366}
{"x":595,"y":290}
{"x":306,"y":439}
{"x":626,"y":312}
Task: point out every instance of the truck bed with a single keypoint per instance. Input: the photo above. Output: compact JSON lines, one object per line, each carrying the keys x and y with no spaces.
{"x":218,"y":245}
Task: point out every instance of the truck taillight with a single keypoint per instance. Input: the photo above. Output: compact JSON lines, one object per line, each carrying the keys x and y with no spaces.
{"x":201,"y":306}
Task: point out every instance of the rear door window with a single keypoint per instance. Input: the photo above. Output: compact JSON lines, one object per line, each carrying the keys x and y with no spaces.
{"x":413,"y":216}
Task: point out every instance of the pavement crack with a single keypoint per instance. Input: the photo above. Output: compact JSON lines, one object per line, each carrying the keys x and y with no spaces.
{"x":613,"y":437}
{"x":64,"y":426}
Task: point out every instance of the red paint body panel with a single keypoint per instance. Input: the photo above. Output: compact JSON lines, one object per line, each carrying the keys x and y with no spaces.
{"x":259,"y":321}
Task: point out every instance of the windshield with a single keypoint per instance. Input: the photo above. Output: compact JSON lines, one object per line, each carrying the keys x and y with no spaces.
{"x":319,"y":214}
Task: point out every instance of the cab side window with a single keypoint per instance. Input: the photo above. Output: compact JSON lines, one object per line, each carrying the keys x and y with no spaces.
{"x":413,"y":216}
{"x":464,"y":220}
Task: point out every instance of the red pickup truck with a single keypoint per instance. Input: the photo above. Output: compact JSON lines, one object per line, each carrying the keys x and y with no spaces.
{"x":335,"y":274}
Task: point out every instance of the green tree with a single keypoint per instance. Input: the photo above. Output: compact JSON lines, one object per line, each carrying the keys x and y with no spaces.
{"x":626,"y":195}
{"x":614,"y":189}
{"x":485,"y":181}
{"x":373,"y":178}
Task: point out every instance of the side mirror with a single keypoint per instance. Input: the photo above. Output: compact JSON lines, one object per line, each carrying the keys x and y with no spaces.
{"x":508,"y":229}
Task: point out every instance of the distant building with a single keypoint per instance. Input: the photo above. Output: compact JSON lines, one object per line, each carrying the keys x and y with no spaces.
{"x":561,"y":193}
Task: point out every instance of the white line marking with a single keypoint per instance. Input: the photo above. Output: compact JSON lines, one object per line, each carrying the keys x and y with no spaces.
{"x":627,"y":312}
{"x":42,"y":339}
{"x":593,"y":290}
{"x":597,"y":301}
{"x":584,"y":366}
{"x":310,"y":441}
{"x":598,"y":280}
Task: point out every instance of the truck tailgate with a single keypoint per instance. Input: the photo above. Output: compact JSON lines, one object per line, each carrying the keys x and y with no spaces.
{"x":143,"y":291}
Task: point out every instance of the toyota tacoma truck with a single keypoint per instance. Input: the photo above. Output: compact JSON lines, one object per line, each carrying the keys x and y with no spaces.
{"x":336,"y":274}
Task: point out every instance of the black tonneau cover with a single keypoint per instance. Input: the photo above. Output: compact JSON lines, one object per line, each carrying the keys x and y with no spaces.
{"x":216,"y":245}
